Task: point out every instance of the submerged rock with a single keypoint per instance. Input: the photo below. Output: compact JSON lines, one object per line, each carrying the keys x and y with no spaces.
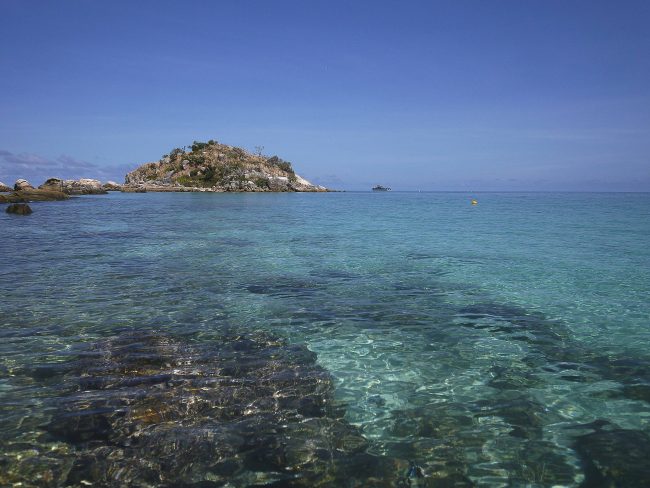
{"x":615,"y":457}
{"x":19,"y":209}
{"x":147,"y":409}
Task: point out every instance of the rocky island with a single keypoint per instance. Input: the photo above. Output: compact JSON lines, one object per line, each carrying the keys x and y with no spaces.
{"x":211,"y":166}
{"x":205,"y":167}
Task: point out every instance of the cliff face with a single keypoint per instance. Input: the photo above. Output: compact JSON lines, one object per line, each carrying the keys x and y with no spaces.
{"x":213,"y":166}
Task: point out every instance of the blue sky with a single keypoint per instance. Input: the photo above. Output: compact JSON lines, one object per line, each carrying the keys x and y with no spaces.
{"x":448,"y":95}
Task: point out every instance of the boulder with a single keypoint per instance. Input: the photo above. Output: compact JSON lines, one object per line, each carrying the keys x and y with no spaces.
{"x":55,"y":184}
{"x":19,"y":209}
{"x":83,"y":186}
{"x":90,"y":184}
{"x":22,"y":185}
{"x":112,"y":186}
{"x":4,"y":187}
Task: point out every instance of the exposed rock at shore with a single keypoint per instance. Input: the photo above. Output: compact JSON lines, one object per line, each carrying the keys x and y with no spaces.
{"x":143,"y":189}
{"x":112,"y":186}
{"x":149,"y":409}
{"x":83,"y":186}
{"x":217,"y":167}
{"x":4,"y":187}
{"x":21,"y":184}
{"x":19,"y":209}
{"x":33,"y":195}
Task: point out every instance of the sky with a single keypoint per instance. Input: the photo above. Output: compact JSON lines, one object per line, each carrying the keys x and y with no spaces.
{"x":416,"y":95}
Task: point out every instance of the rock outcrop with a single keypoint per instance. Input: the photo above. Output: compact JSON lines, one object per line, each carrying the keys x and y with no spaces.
{"x":4,"y":187}
{"x":22,"y":185}
{"x":112,"y":186}
{"x":217,"y":167}
{"x":19,"y":209}
{"x":83,"y":186}
{"x":33,"y":195}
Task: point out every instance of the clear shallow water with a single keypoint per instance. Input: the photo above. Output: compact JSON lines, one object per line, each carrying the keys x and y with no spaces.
{"x":496,"y":345}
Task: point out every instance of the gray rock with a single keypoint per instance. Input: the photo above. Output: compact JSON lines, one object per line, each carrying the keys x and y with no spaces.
{"x":55,"y":184}
{"x":22,"y":185}
{"x":83,"y":186}
{"x":279,"y":183}
{"x":134,"y":189}
{"x":112,"y":186}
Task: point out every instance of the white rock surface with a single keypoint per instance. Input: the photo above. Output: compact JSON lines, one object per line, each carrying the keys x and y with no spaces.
{"x":22,"y":185}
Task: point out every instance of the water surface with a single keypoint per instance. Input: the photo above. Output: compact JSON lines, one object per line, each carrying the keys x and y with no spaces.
{"x":492,"y":345}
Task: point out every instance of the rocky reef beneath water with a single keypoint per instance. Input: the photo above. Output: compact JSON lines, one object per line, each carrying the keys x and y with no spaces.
{"x":19,"y":209}
{"x":151,"y":409}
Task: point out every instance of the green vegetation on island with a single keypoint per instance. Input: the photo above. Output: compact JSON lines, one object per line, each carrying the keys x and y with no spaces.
{"x":211,"y":166}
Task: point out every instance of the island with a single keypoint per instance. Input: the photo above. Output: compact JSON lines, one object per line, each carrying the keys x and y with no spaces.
{"x":215,"y":167}
{"x":202,"y":167}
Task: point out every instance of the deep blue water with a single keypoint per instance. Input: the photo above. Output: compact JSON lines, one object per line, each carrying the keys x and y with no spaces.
{"x":502,"y":344}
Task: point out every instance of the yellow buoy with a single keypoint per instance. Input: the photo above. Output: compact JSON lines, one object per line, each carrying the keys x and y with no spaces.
{"x":474,"y":202}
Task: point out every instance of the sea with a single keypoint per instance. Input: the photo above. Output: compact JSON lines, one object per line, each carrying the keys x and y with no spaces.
{"x":326,"y":339}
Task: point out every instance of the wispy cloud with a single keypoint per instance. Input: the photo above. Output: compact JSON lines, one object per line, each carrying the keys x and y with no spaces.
{"x":30,"y":161}
{"x":36,"y":167}
{"x":327,"y":180}
{"x":72,"y":163}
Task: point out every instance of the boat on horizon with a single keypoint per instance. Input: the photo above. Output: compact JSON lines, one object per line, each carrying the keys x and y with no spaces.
{"x":380,"y":188}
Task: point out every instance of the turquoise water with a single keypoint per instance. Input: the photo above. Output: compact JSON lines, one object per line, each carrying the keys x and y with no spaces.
{"x":503,"y":344}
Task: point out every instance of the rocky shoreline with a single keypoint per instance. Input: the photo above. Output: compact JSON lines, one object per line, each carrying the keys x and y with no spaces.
{"x":83,"y":186}
{"x":24,"y":192}
{"x":54,"y":189}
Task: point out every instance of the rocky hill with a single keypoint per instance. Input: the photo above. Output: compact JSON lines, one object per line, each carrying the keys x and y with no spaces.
{"x":211,"y":166}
